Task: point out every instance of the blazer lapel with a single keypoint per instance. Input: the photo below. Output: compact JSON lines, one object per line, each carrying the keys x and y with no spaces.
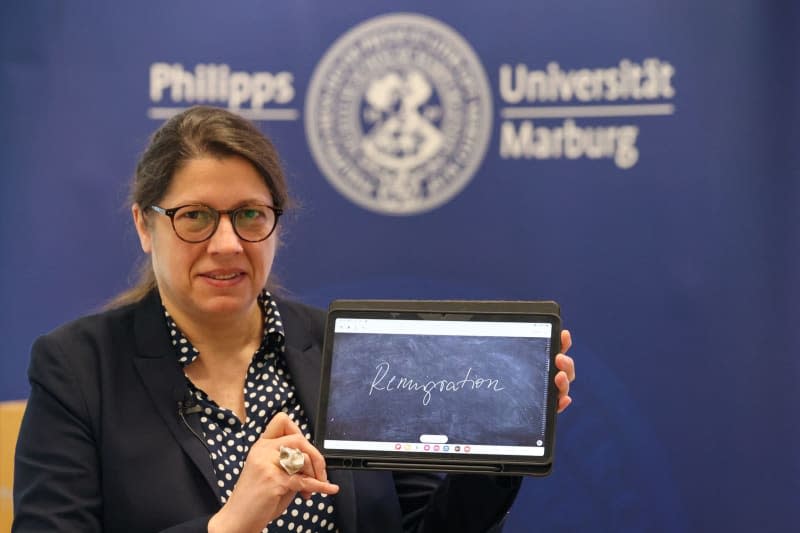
{"x":165,"y":383}
{"x":304,"y":360}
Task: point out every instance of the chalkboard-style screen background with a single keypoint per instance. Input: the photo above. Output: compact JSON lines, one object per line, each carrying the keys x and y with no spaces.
{"x":494,"y":388}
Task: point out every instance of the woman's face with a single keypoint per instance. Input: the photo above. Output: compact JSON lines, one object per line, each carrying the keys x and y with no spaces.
{"x":222,"y":276}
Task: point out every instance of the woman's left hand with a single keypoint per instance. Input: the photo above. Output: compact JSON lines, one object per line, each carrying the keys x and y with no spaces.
{"x":566,"y":371}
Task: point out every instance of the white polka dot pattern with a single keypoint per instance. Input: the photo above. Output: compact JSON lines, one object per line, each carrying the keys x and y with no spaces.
{"x":268,"y":389}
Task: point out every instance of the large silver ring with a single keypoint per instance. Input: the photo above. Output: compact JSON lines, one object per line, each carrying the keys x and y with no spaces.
{"x":291,"y":460}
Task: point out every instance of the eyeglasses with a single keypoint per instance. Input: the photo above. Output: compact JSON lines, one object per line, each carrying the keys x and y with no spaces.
{"x":197,"y":222}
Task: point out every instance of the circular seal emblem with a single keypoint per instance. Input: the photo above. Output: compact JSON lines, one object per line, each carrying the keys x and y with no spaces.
{"x":399,"y":114}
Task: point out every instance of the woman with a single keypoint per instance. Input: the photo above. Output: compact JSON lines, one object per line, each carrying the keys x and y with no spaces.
{"x":138,"y":419}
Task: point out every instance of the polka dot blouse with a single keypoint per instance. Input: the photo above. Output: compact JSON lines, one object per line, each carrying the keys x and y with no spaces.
{"x":268,"y":389}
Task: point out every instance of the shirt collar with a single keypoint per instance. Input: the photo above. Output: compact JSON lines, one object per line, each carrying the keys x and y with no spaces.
{"x":273,"y":333}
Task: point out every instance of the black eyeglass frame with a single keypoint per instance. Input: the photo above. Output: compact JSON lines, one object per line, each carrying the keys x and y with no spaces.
{"x":219,"y":212}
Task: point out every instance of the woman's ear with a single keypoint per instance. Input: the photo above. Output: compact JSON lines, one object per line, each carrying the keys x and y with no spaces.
{"x":141,"y":228}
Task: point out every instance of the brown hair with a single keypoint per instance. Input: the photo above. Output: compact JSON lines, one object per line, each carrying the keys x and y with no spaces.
{"x":198,"y":132}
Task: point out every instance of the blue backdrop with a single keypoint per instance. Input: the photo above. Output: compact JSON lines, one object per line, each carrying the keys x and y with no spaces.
{"x":635,"y":160}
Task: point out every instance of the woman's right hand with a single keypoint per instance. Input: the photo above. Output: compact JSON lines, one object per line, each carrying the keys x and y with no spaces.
{"x":264,"y":489}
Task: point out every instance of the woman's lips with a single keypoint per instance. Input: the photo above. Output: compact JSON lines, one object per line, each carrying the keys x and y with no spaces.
{"x":223,"y":278}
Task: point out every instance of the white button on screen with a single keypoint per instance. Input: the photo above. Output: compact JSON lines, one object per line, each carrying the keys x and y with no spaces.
{"x":433,"y":439}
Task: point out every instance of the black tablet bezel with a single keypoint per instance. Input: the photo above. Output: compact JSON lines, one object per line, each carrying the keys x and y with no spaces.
{"x":531,"y":311}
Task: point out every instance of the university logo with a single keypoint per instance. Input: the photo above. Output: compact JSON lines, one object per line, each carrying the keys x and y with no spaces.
{"x":399,"y":114}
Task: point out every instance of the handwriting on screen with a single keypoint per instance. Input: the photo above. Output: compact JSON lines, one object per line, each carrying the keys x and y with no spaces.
{"x":475,"y":389}
{"x":394,"y":383}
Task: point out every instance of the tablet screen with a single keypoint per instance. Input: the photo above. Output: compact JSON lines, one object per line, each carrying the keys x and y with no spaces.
{"x":452,"y":388}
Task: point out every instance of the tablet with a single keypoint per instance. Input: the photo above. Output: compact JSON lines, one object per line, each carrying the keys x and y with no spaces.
{"x":446,"y":386}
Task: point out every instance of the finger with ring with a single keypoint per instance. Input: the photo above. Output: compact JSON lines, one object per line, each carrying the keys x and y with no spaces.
{"x":291,"y":460}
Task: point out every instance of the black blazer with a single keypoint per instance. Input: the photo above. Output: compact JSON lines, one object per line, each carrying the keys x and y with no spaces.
{"x":102,"y":446}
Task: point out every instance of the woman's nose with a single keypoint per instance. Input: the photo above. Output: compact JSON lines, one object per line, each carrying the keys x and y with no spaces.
{"x":225,"y":239}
